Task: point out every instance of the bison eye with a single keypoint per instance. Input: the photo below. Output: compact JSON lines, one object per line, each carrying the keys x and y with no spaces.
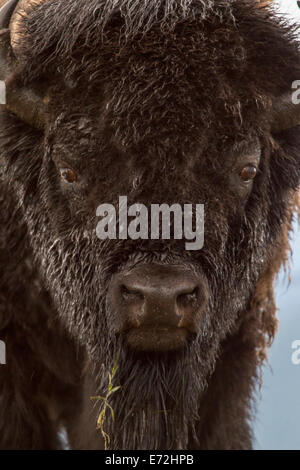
{"x":68,"y":175}
{"x":248,"y":173}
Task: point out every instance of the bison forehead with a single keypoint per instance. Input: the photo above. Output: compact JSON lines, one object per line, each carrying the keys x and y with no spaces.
{"x":165,"y":87}
{"x":172,"y":91}
{"x":186,"y":64}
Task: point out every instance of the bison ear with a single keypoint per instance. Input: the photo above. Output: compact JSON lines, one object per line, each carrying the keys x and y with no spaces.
{"x":22,"y":101}
{"x":285,"y":114}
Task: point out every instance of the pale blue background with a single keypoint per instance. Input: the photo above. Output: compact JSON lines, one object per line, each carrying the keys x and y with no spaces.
{"x":278,"y":414}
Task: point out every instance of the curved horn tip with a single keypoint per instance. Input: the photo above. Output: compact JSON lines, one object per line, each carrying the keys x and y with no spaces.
{"x":6,"y":12}
{"x":22,"y":9}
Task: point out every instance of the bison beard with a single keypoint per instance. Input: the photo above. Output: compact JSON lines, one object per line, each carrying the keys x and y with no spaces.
{"x":158,"y":397}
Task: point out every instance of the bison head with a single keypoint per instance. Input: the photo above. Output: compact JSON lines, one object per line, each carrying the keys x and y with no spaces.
{"x":165,"y":102}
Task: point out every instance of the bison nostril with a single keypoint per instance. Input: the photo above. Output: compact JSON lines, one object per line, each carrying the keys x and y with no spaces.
{"x":157,"y":306}
{"x":131,"y":295}
{"x":188,"y":299}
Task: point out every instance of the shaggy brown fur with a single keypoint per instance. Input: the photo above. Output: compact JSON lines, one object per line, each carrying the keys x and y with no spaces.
{"x":162,"y":101}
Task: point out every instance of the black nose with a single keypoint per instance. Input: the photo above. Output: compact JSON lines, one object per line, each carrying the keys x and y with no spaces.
{"x":158,"y":296}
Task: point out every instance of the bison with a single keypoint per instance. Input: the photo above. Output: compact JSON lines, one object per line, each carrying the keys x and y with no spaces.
{"x":141,"y":343}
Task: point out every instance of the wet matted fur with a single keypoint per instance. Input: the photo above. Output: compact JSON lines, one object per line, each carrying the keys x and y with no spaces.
{"x":143,"y":97}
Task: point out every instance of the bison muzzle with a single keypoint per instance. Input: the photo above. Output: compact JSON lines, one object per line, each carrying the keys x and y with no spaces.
{"x":141,"y":343}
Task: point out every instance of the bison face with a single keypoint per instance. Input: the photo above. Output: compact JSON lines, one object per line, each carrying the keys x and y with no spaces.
{"x":156,"y":294}
{"x":178,"y":110}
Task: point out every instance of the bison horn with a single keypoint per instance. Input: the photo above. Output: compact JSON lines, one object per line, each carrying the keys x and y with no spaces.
{"x":30,"y":107}
{"x":20,"y":100}
{"x":22,"y":10}
{"x":6,"y":13}
{"x":285,"y":114}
